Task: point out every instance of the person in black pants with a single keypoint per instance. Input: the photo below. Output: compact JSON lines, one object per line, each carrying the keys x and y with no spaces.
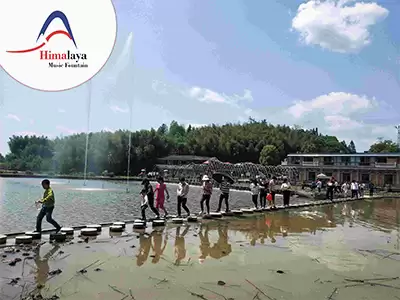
{"x":148,"y":196}
{"x":371,"y":188}
{"x":225,"y":187}
{"x":263,"y":184}
{"x":285,"y":187}
{"x":207,"y":192}
{"x":329,"y":189}
{"x":182,"y":192}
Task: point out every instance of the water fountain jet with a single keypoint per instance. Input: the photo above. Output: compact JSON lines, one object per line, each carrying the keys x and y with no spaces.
{"x":88,"y":107}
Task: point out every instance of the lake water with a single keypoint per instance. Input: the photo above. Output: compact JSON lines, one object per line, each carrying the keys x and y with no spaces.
{"x":97,"y":202}
{"x":337,"y":252}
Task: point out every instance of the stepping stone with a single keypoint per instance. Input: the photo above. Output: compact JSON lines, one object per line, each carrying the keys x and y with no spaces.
{"x":192,"y":219}
{"x":216,"y":215}
{"x":23,"y":239}
{"x":139,"y":224}
{"x":177,"y":220}
{"x":207,"y":217}
{"x":116,"y":228}
{"x":138,"y":221}
{"x":237,"y":212}
{"x":158,"y":223}
{"x":67,"y":230}
{"x":114,"y":234}
{"x":58,"y":237}
{"x":3,"y":239}
{"x":257,"y":210}
{"x":227,"y":213}
{"x":35,"y":235}
{"x":120,"y":224}
{"x":266,"y":209}
{"x":89,"y":232}
{"x":247,"y":211}
{"x":94,"y":226}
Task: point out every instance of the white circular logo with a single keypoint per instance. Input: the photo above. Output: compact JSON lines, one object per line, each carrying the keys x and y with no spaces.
{"x":53,"y":45}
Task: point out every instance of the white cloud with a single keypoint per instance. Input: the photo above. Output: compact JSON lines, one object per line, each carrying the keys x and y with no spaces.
{"x":117,"y":109}
{"x":61,"y":110}
{"x":209,"y":96}
{"x":338,"y":25}
{"x":339,"y":114}
{"x":13,"y":117}
{"x":106,"y":129}
{"x":334,"y":103}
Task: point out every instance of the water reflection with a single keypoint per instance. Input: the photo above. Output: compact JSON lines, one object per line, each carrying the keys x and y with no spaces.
{"x":42,"y":264}
{"x":158,"y":245}
{"x":215,"y":238}
{"x":144,"y":249}
{"x":180,"y":248}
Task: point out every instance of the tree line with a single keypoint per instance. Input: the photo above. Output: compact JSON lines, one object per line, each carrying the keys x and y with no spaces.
{"x":253,"y":141}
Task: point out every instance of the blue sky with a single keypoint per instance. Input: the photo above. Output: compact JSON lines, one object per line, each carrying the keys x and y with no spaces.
{"x":332,"y":65}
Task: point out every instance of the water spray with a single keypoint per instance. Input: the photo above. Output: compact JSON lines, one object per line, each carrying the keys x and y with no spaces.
{"x":89,"y":100}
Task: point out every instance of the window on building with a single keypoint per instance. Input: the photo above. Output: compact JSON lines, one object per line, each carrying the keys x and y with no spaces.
{"x":308,"y":159}
{"x":365,"y":178}
{"x":346,"y":160}
{"x":381,"y":160}
{"x":364,"y":161}
{"x":311,"y":176}
{"x":388,"y":179}
{"x":345,"y":177}
{"x":328,"y":160}
{"x":329,"y":174}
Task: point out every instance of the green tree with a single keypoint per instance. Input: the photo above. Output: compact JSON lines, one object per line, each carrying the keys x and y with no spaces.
{"x":269,"y":155}
{"x":352,"y":147}
{"x":386,"y":146}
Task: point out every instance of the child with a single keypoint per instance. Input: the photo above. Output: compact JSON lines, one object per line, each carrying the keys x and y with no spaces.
{"x":207,"y":192}
{"x":148,"y":199}
{"x":161,"y":190}
{"x":254,"y":189}
{"x":47,"y":202}
{"x":182,"y":193}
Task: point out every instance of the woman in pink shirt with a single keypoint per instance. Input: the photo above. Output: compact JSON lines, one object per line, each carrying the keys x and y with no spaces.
{"x":161,"y":190}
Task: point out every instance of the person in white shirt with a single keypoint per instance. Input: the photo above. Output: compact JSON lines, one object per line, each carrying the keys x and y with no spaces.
{"x":182,"y":193}
{"x":345,"y":189}
{"x":255,"y":190}
{"x":272,"y":190}
{"x":285,"y":187}
{"x":354,"y":189}
{"x":319,"y":185}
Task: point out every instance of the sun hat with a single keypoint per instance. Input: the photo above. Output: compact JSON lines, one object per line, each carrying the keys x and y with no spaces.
{"x":205,"y":178}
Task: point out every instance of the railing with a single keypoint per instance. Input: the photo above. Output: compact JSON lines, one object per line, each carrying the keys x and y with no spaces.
{"x":385,"y":165}
{"x":310,"y":163}
{"x":362,"y":165}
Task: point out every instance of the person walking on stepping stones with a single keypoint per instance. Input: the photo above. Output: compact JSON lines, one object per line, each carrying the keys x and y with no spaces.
{"x":148,"y":199}
{"x":272,"y":191}
{"x":47,"y":209}
{"x":263,"y":186}
{"x":207,"y":192}
{"x":254,"y":189}
{"x":161,"y":190}
{"x":225,"y":187}
{"x":182,"y":193}
{"x":285,"y":187}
